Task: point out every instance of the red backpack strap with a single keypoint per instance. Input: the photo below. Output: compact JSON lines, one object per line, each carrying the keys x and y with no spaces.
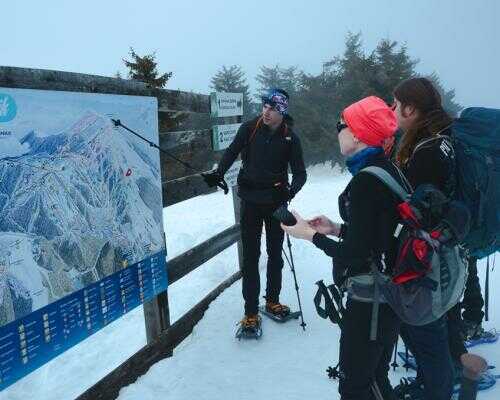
{"x":252,"y":135}
{"x":257,"y":126}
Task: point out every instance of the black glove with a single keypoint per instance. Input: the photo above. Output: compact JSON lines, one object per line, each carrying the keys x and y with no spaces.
{"x":215,"y":178}
{"x":212,"y":178}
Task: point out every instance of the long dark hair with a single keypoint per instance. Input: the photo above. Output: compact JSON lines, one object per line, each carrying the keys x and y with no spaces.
{"x":421,"y":94}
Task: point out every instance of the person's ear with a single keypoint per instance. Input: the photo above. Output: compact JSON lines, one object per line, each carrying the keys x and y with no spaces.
{"x":408,"y":111}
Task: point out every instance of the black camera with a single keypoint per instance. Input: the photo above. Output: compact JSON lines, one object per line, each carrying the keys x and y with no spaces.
{"x":284,"y":216}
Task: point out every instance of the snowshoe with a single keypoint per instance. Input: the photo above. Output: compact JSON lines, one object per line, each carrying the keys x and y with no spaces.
{"x":409,"y":389}
{"x":410,"y":362}
{"x":486,"y":381}
{"x":278,"y":312}
{"x":475,"y":334}
{"x":250,"y":327}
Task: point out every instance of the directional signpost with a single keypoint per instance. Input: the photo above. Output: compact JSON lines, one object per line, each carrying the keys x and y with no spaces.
{"x":223,"y":135}
{"x":228,"y":105}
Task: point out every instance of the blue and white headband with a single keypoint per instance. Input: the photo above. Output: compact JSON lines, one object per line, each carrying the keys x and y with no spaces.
{"x":277,"y":99}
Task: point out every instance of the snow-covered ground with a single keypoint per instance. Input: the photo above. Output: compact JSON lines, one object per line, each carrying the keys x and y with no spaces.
{"x":287,"y":363}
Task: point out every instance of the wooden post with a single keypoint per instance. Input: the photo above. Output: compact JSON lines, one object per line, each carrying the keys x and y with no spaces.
{"x":157,"y":314}
{"x":237,"y":215}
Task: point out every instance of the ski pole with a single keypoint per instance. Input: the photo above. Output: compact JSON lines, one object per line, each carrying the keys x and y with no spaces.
{"x":334,"y":373}
{"x":292,"y":267}
{"x":376,"y":391}
{"x":487,"y":290}
{"x":394,"y":364}
{"x":118,"y":123}
{"x":407,"y":355}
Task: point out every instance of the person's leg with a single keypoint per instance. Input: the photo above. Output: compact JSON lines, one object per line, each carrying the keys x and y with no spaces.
{"x":251,"y":232}
{"x":473,"y":301}
{"x":388,"y":329}
{"x":432,"y":354}
{"x":362,"y":362}
{"x":455,"y":336}
{"x":404,"y":333}
{"x":274,"y":246}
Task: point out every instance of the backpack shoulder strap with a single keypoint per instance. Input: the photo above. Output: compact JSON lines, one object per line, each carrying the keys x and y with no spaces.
{"x":285,"y":133}
{"x":389,"y":181}
{"x":254,"y":131}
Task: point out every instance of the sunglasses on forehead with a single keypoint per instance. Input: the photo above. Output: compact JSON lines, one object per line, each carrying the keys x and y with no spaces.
{"x":340,"y":126}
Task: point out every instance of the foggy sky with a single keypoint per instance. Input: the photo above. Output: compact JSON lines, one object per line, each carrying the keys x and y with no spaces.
{"x":457,"y":39}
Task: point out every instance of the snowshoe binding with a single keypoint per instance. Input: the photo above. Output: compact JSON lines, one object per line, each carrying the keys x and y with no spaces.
{"x":278,"y":312}
{"x":475,"y":334}
{"x":409,"y":389}
{"x":250,"y":327}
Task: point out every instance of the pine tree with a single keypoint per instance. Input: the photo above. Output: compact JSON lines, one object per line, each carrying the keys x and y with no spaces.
{"x":353,"y":72}
{"x":393,"y":66}
{"x":278,"y":77}
{"x":318,"y":100}
{"x":144,"y":69}
{"x":447,"y":96}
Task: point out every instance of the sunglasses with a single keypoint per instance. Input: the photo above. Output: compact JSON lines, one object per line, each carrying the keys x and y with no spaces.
{"x":269,"y":103}
{"x":340,"y":126}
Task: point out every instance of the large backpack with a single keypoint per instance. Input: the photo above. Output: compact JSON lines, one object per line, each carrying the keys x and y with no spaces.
{"x":430,"y":272}
{"x":476,"y":141}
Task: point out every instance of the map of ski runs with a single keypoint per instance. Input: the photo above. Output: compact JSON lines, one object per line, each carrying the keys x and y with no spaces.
{"x":77,"y":206}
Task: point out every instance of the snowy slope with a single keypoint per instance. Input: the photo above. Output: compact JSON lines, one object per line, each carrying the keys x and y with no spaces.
{"x":286,"y":363}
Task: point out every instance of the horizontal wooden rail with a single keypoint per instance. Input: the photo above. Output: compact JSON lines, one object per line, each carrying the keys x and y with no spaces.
{"x":186,"y":262}
{"x":192,"y":147}
{"x":70,"y":81}
{"x":185,"y":188}
{"x":174,"y":140}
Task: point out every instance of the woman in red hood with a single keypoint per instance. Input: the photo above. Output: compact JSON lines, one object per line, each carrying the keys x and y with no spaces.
{"x":368,"y":210}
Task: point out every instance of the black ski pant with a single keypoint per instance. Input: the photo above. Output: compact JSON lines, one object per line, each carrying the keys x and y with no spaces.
{"x":363,"y":361}
{"x":430,"y":346}
{"x":253,"y":216}
{"x":473,"y":302}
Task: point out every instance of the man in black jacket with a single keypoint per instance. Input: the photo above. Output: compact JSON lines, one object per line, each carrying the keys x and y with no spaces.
{"x":267,"y":145}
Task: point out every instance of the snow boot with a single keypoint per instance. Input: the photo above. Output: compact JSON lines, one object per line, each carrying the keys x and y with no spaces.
{"x":277,"y":309}
{"x":250,"y":327}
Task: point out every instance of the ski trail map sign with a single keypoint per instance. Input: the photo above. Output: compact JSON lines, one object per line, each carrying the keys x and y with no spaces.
{"x":81,"y":230}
